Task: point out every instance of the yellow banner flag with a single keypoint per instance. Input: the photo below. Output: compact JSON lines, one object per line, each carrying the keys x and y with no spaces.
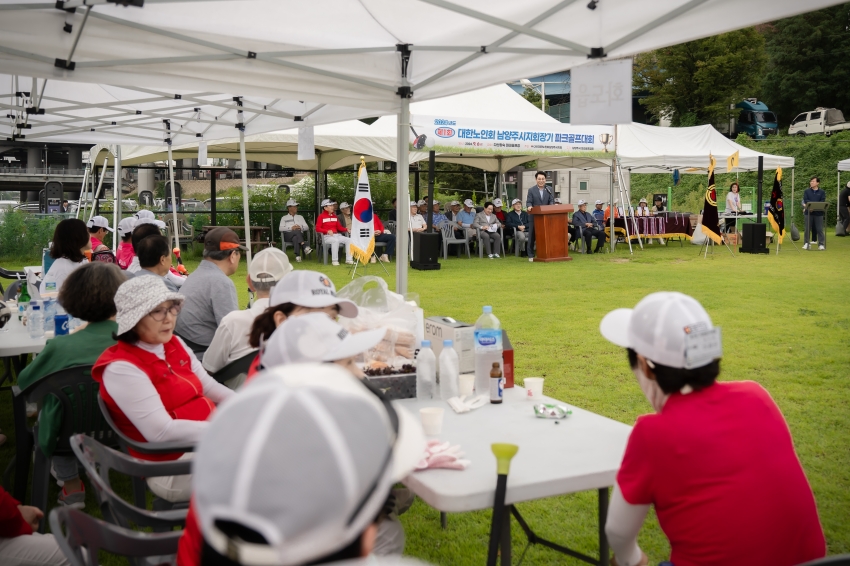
{"x":732,"y":162}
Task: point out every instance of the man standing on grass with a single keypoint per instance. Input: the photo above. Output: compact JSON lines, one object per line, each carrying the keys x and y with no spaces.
{"x":537,"y":196}
{"x":814,"y":219}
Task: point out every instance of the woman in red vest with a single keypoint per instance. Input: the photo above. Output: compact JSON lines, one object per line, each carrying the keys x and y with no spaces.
{"x":154,"y":386}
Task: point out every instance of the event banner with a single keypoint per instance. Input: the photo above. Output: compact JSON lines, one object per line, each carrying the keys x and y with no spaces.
{"x":445,"y":134}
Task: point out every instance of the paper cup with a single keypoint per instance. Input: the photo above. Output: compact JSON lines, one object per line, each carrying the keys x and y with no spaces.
{"x":534,"y":388}
{"x":466,"y":384}
{"x":432,"y":420}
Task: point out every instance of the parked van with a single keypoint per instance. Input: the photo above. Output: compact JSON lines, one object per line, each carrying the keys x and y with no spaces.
{"x":755,"y":119}
{"x":819,"y":121}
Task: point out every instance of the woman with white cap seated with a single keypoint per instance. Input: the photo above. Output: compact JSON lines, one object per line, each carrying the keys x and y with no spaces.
{"x":294,"y":229}
{"x":154,"y":387}
{"x":715,"y":459}
{"x":345,"y":215}
{"x":643,"y":208}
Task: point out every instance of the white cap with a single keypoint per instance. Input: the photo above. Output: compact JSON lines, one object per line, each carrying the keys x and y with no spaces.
{"x":144,"y":213}
{"x":454,"y":203}
{"x":580,"y":203}
{"x":641,"y":200}
{"x":516,"y":200}
{"x":125,"y":227}
{"x":599,"y":202}
{"x":268,"y":266}
{"x":310,"y":289}
{"x":436,"y":202}
{"x":137,"y":297}
{"x":497,"y":202}
{"x":283,"y":459}
{"x":314,"y":337}
{"x":327,"y":202}
{"x":145,"y":220}
{"x":99,"y":222}
{"x":344,"y":205}
{"x":668,"y":328}
{"x":291,"y":202}
{"x":468,"y":202}
{"x":422,"y":202}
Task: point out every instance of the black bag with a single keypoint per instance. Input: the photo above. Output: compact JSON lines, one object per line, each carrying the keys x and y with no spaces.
{"x":839,"y":228}
{"x":795,"y":234}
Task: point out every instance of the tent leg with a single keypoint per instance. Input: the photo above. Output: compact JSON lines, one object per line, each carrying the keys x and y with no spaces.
{"x":402,"y":195}
{"x":611,"y":237}
{"x":245,"y":203}
{"x":83,"y":191}
{"x":173,"y":194}
{"x":99,"y":186}
{"x":116,"y":195}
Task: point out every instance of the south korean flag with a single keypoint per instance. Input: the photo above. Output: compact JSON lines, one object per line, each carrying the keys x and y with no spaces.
{"x":362,"y":226}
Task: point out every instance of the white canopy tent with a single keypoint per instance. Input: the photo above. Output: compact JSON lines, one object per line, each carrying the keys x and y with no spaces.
{"x":375,"y":54}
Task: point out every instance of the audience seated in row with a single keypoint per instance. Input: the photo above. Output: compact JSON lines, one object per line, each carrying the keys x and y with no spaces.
{"x":155,"y":259}
{"x":488,"y":224}
{"x":294,"y":229}
{"x":98,"y":227}
{"x":125,"y":253}
{"x":20,"y":542}
{"x":333,"y":232}
{"x":71,"y":241}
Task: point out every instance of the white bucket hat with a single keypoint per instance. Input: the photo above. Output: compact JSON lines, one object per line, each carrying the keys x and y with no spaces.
{"x":310,"y":289}
{"x":137,"y":297}
{"x":99,"y":222}
{"x":283,"y":459}
{"x":268,"y":266}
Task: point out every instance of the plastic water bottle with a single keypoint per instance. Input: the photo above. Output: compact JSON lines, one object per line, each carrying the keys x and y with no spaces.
{"x":488,"y":349}
{"x":49,"y":314}
{"x":426,"y":372}
{"x":36,"y":321}
{"x":449,"y":369}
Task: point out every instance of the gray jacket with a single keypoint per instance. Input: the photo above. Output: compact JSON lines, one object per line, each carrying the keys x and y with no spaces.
{"x":533,"y":198}
{"x":481,"y":221}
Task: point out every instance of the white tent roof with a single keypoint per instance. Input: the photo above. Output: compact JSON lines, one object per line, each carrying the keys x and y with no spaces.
{"x":653,"y":149}
{"x":346,"y":53}
{"x":844,"y":165}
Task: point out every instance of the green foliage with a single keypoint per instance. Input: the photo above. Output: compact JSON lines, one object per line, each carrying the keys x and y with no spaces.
{"x":24,"y":235}
{"x":695,"y":82}
{"x":809,"y":64}
{"x":532,"y":95}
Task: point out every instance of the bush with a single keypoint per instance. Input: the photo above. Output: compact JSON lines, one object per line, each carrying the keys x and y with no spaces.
{"x":23,"y":235}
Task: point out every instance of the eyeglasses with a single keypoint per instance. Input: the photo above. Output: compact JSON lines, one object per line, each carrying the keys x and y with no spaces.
{"x":158,"y":314}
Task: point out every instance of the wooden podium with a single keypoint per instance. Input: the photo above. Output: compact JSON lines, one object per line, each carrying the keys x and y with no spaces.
{"x":551,"y":233}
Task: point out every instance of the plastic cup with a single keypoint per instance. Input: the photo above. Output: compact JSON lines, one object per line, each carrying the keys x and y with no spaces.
{"x":466,"y":384}
{"x":534,"y":388}
{"x":432,"y":420}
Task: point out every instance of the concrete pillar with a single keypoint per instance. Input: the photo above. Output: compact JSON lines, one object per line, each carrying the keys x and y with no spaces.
{"x":75,"y":158}
{"x":33,"y":159}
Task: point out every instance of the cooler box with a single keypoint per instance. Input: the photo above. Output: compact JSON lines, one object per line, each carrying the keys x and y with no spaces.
{"x":438,"y":328}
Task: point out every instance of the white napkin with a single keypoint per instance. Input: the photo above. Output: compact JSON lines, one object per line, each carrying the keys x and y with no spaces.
{"x":465,"y":404}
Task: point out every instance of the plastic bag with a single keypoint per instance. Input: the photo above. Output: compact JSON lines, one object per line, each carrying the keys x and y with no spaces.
{"x":795,"y":233}
{"x":839,"y":228}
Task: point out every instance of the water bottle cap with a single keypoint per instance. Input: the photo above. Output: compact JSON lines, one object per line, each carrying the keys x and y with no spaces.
{"x":448,"y":343}
{"x":426,"y":343}
{"x":35,"y":306}
{"x":488,"y":309}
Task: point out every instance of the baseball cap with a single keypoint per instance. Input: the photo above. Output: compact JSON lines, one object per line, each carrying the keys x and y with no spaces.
{"x":292,"y":202}
{"x":658,"y":198}
{"x":344,"y":205}
{"x":454,"y":203}
{"x":516,"y":200}
{"x":125,"y":227}
{"x":580,"y":203}
{"x":641,"y":200}
{"x":497,"y":202}
{"x":314,"y":337}
{"x":99,"y":222}
{"x":222,"y":239}
{"x":270,"y":265}
{"x":137,"y":297}
{"x":327,"y":202}
{"x":311,"y":493}
{"x":421,"y":203}
{"x":668,"y":328}
{"x":598,"y":202}
{"x":468,"y":202}
{"x":145,"y":220}
{"x":144,"y":213}
{"x":436,"y":202}
{"x":310,"y":289}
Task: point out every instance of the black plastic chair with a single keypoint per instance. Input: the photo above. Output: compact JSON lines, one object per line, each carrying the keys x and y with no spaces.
{"x":74,"y":531}
{"x":12,"y":290}
{"x":837,"y":560}
{"x":194,"y":346}
{"x":78,"y":393}
{"x":235,"y":368}
{"x":98,"y":460}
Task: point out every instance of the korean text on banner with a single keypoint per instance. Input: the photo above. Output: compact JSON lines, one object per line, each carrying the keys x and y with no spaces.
{"x":362,"y":224}
{"x":601,"y":93}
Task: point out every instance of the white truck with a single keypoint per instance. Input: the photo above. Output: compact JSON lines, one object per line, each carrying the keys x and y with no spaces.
{"x":819,"y":121}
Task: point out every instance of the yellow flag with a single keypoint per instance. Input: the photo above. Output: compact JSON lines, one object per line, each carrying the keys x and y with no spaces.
{"x":732,"y":162}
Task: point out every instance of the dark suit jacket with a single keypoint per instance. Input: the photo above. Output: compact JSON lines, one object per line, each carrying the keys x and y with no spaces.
{"x":533,"y":198}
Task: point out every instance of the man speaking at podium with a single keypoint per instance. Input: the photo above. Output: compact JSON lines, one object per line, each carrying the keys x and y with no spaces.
{"x":814,"y":222}
{"x":537,"y":196}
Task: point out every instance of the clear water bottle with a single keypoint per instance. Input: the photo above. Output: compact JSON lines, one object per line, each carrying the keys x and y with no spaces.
{"x":49,"y":314}
{"x":36,"y":321}
{"x":449,"y":369}
{"x":426,"y":372}
{"x":488,"y":349}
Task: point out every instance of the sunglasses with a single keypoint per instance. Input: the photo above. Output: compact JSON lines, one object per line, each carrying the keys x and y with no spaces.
{"x":158,"y":314}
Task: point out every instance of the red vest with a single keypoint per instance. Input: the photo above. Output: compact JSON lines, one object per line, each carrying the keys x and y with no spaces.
{"x":179,"y":388}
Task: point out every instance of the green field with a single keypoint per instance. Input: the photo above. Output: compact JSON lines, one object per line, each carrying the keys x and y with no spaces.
{"x":785,"y":324}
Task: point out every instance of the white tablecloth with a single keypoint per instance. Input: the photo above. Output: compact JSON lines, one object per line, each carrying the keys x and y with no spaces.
{"x":16,"y":340}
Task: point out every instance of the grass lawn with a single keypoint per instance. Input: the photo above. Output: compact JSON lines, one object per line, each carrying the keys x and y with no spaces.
{"x":783,"y":326}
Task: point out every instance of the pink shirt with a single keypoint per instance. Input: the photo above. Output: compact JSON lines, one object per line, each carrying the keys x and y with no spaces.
{"x":125,"y":254}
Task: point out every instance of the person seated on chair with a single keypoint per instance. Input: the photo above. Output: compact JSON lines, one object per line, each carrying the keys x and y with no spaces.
{"x":586,"y":222}
{"x":345,"y":215}
{"x":489,"y":225}
{"x":599,"y":215}
{"x":294,"y":228}
{"x":439,"y":217}
{"x":659,"y":205}
{"x":231,"y":340}
{"x":423,"y":207}
{"x":392,"y":216}
{"x":312,"y":512}
{"x":98,"y":227}
{"x":144,"y":226}
{"x":20,"y":542}
{"x":617,"y":211}
{"x":497,"y":210}
{"x":516,"y":222}
{"x":716,"y":459}
{"x":452,"y":210}
{"x":417,"y":223}
{"x":125,"y":254}
{"x":333,"y":232}
{"x":208,"y":292}
{"x":643,"y":208}
{"x":71,"y":241}
{"x":385,"y":236}
{"x":154,"y":387}
{"x":464,"y":220}
{"x":88,"y":294}
{"x":155,"y":260}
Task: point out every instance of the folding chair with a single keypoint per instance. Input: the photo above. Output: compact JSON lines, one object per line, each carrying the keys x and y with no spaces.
{"x":501,"y":243}
{"x":196,"y":348}
{"x":74,"y":531}
{"x":519,"y":241}
{"x":325,"y":246}
{"x":235,"y":368}
{"x":449,"y":238}
{"x":284,"y":244}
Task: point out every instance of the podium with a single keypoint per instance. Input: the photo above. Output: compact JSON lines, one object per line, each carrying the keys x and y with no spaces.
{"x":551,"y":233}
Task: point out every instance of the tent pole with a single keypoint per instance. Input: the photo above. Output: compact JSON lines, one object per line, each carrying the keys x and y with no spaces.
{"x":171,"y":182}
{"x":611,"y":209}
{"x":83,"y":190}
{"x":96,"y":195}
{"x":792,"y":194}
{"x":245,"y":204}
{"x":402,"y":195}
{"x":318,"y":184}
{"x":116,"y":195}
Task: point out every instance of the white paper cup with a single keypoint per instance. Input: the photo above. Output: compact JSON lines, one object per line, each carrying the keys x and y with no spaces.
{"x":432,"y":420}
{"x":466,"y":384}
{"x":534,"y":388}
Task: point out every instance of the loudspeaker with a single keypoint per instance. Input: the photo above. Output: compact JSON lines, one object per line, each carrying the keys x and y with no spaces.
{"x":426,"y":251}
{"x":754,"y":239}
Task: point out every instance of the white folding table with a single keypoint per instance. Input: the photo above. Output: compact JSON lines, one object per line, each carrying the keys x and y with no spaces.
{"x":580,"y":453}
{"x":15,"y":346}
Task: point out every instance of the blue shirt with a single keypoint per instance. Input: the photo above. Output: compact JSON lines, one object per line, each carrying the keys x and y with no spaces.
{"x":466,"y":218}
{"x":599,"y":215}
{"x":439,"y":218}
{"x":811,"y":195}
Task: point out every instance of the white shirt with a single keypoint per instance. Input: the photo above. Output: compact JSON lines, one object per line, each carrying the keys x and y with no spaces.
{"x":57,"y":274}
{"x":733,"y":202}
{"x":288,"y":221}
{"x":231,"y":338}
{"x":177,"y":280}
{"x":134,"y":265}
{"x":136,"y":396}
{"x":643,"y":211}
{"x":416,"y":221}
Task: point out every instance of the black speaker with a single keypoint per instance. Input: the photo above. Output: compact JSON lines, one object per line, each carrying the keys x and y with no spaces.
{"x":754,"y":239}
{"x":426,"y":251}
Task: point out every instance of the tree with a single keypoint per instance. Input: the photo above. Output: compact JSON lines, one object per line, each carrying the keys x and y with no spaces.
{"x":532,"y":95}
{"x":808,"y":62}
{"x":695,"y":82}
